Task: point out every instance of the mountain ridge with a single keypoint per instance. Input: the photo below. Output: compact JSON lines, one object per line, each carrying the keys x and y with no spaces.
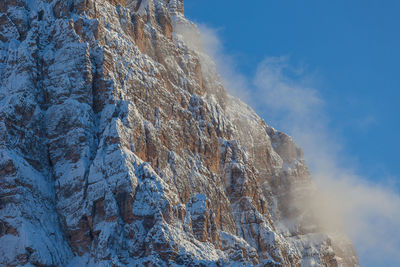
{"x":120,"y":146}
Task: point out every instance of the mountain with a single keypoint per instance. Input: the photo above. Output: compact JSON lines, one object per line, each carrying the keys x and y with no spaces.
{"x":119,"y":146}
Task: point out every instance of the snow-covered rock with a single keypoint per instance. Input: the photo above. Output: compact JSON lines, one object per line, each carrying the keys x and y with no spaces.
{"x":118,"y":146}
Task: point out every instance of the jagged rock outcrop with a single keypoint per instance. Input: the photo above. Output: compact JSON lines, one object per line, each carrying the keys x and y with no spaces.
{"x":120,"y":146}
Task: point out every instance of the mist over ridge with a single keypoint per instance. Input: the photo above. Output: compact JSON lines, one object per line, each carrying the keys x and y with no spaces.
{"x":285,"y":95}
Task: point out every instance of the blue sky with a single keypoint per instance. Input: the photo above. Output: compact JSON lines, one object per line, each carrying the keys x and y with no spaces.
{"x":348,"y":52}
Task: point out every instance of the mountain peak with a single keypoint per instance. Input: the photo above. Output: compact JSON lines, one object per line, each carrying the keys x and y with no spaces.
{"x":119,"y":146}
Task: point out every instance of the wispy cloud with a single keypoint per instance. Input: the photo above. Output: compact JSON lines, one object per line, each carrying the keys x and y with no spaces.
{"x":205,"y":39}
{"x":366,"y":122}
{"x":279,"y":89}
{"x":368,"y":212}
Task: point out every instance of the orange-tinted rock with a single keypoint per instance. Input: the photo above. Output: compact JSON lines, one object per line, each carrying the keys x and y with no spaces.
{"x":119,"y":142}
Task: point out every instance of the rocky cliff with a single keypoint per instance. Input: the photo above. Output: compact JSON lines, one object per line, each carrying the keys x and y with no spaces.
{"x":119,"y":146}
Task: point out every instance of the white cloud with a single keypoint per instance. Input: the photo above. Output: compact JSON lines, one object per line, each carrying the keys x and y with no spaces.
{"x":281,"y":93}
{"x":205,"y":39}
{"x":368,"y":212}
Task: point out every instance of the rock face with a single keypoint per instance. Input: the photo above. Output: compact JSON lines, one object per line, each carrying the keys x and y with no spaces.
{"x":119,"y":146}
